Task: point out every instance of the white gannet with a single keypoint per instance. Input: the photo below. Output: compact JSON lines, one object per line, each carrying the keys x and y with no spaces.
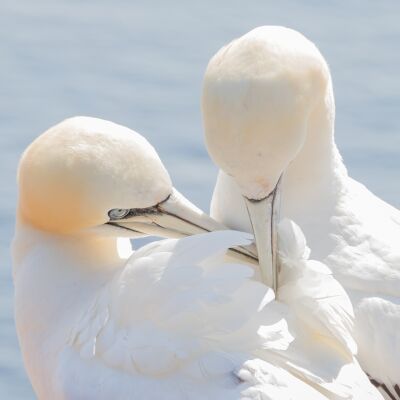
{"x":268,"y":111}
{"x":96,"y":321}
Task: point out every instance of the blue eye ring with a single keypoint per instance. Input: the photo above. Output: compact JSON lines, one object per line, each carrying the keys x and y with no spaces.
{"x":118,"y":213}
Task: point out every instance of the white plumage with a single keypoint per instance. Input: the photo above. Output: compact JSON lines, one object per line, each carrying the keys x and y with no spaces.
{"x":269,"y":110}
{"x":175,"y":322}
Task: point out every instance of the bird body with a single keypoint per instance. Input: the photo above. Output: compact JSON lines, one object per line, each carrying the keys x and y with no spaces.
{"x":173,"y":321}
{"x":347,"y":227}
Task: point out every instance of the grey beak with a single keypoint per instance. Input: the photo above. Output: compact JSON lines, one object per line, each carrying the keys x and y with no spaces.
{"x":177,"y":217}
{"x":264,"y":217}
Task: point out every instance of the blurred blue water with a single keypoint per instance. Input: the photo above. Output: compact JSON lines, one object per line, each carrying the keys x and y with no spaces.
{"x":141,"y":64}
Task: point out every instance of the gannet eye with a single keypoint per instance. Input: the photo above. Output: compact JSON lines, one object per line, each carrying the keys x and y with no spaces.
{"x":118,"y":213}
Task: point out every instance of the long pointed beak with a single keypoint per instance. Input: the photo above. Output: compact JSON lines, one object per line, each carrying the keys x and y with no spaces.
{"x":177,"y":217}
{"x":264,"y":216}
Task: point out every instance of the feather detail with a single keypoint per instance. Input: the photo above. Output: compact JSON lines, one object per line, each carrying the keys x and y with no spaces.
{"x":175,"y":315}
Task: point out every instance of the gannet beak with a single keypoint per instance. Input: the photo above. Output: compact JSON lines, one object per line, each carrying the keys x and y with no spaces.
{"x":177,"y":217}
{"x":264,"y":216}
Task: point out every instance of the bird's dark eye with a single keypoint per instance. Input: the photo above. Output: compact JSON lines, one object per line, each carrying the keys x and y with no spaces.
{"x":118,"y":213}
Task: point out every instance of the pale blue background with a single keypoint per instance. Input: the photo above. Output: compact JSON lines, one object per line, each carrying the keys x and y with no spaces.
{"x":140,"y":63}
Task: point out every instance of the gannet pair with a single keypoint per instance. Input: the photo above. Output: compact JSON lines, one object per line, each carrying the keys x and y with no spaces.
{"x":268,"y":104}
{"x":171,"y":320}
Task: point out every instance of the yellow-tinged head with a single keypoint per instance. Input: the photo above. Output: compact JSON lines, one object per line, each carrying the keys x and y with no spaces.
{"x":72,"y":175}
{"x":258,"y":94}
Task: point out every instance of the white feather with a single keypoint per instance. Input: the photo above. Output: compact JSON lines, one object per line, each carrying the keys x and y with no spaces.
{"x":178,"y":315}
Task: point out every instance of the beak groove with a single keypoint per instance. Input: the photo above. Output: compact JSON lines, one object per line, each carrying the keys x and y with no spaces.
{"x":177,"y":217}
{"x":264,"y":217}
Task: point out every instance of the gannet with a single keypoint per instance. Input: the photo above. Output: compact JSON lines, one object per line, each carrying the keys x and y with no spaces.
{"x":171,"y":320}
{"x":268,"y":111}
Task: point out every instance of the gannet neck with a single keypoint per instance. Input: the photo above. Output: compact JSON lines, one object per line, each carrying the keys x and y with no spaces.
{"x":88,"y":253}
{"x":317,"y":174}
{"x":56,"y":278}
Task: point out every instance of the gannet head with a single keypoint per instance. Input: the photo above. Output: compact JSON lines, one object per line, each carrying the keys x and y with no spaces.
{"x":87,"y":173}
{"x":258,"y":94}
